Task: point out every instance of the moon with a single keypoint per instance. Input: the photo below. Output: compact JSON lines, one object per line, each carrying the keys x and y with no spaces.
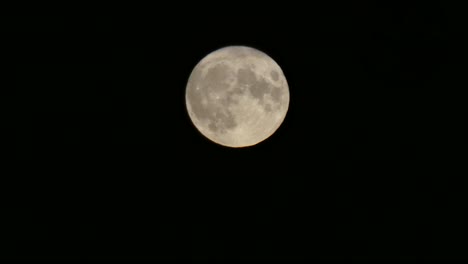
{"x":237,"y":96}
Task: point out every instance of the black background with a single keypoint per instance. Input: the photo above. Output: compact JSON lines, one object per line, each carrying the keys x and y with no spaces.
{"x":107,"y":164}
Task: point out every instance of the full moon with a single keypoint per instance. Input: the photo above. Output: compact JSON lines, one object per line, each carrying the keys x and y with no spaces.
{"x":237,"y":96}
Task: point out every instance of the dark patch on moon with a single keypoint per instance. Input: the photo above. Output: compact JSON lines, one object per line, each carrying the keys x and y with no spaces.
{"x":246,"y":77}
{"x":229,"y":99}
{"x":260,"y":88}
{"x":236,"y":90}
{"x":276,"y":94}
{"x":216,"y":78}
{"x":274,"y":75}
{"x":213,"y":127}
{"x":257,"y":87}
{"x":221,"y":122}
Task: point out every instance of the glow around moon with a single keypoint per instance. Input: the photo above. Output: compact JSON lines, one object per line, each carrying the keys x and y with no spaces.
{"x":237,"y":96}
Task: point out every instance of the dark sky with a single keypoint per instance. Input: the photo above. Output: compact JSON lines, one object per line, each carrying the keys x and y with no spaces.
{"x":107,"y":163}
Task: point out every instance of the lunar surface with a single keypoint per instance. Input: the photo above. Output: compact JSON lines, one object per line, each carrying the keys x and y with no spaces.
{"x":237,"y":96}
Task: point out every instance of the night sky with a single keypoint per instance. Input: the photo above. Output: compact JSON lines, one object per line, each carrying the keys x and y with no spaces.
{"x":107,"y":164}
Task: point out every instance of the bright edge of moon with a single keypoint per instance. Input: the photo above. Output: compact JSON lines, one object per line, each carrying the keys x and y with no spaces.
{"x":237,"y":96}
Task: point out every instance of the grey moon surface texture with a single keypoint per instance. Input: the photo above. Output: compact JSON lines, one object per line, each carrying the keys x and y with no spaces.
{"x":237,"y":96}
